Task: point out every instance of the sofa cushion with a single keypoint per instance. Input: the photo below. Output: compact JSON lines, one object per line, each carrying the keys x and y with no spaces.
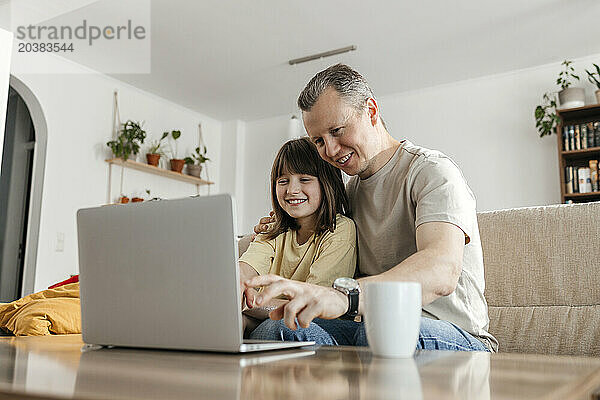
{"x":542,"y":278}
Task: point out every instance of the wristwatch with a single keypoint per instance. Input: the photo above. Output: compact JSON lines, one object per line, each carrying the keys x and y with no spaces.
{"x":350,"y":288}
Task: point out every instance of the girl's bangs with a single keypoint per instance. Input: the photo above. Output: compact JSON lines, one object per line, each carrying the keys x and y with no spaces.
{"x":297,"y":161}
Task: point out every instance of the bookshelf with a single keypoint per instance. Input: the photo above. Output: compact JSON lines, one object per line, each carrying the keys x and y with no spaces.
{"x":578,"y":157}
{"x":155,"y":171}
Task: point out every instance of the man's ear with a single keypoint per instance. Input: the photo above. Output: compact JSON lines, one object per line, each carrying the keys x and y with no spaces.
{"x":372,"y":110}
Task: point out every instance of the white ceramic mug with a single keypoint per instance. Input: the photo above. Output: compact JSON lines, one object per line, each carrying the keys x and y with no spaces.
{"x":392,"y":317}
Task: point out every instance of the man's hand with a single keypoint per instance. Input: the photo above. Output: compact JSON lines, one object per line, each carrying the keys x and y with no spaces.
{"x":261,"y":313}
{"x":306,"y":301}
{"x":263,"y":224}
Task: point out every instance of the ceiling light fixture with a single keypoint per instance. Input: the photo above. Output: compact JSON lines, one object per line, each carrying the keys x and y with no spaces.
{"x":322,"y":55}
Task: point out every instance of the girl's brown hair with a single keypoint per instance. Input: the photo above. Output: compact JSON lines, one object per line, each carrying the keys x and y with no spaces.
{"x":300,"y":156}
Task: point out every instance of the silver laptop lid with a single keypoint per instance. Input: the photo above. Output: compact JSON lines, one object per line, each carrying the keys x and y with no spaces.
{"x":161,"y":274}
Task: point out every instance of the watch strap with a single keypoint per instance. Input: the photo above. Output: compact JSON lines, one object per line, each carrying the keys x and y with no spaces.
{"x":352,"y":311}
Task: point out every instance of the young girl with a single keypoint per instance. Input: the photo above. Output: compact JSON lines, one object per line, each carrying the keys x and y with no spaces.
{"x":313,"y":239}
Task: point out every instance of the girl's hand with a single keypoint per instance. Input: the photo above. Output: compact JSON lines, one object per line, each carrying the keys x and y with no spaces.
{"x":263,"y":224}
{"x":306,"y":301}
{"x":246,"y":272}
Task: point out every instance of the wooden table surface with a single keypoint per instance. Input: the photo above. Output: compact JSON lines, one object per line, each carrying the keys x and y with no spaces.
{"x":56,"y":367}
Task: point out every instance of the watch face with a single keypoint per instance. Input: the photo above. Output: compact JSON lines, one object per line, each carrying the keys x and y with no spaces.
{"x":346,"y":283}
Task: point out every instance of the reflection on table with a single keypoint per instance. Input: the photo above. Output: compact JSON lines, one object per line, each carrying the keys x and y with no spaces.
{"x":57,"y":367}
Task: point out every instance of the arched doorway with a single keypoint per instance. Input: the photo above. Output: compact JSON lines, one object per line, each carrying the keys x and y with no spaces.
{"x":23,"y":160}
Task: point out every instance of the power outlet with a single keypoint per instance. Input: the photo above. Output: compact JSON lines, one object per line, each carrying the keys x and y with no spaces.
{"x":60,"y":242}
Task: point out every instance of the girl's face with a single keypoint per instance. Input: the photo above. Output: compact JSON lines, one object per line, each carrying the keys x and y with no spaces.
{"x":299,"y":195}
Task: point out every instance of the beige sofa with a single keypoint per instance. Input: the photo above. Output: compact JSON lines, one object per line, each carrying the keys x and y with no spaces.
{"x":542,"y":273}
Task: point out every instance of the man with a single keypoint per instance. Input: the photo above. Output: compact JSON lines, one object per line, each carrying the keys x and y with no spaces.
{"x":415,"y":219}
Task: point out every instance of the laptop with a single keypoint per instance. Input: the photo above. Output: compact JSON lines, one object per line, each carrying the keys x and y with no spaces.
{"x":163,"y":274}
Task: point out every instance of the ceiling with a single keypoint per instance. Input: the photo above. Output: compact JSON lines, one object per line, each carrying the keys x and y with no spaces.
{"x":228,"y":59}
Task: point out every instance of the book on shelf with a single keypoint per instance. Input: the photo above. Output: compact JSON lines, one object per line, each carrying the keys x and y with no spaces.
{"x":594,"y":175}
{"x":571,"y":137}
{"x":585,"y":182}
{"x":569,"y":180}
{"x":591,"y":135}
{"x":580,"y":137}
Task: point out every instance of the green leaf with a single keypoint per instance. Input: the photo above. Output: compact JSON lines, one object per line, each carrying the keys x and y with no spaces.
{"x":539,"y":112}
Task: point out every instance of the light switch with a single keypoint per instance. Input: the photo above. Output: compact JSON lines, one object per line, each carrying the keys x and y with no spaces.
{"x":60,"y":242}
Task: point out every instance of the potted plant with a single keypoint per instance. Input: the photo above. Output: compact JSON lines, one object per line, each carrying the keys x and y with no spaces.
{"x":594,"y":78}
{"x":546,"y":119}
{"x":128,"y":142}
{"x":155,"y":150}
{"x":195,"y":161}
{"x":131,"y":136}
{"x":149,"y":196}
{"x":135,"y":198}
{"x":569,"y":97}
{"x":176,"y":163}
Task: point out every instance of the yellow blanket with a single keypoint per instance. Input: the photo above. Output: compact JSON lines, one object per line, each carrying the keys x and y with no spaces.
{"x":51,"y":311}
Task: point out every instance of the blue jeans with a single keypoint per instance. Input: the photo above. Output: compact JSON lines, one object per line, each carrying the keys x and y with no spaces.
{"x":433,"y":335}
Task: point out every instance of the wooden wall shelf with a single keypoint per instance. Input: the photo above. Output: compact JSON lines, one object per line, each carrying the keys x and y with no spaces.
{"x":154,"y":171}
{"x":587,"y":151}
{"x":579,"y":114}
{"x":583,"y":195}
{"x":579,"y":157}
{"x":159,"y":171}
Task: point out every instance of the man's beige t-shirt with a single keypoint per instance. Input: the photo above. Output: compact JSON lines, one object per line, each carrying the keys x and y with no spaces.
{"x":416,"y":186}
{"x":320,"y":260}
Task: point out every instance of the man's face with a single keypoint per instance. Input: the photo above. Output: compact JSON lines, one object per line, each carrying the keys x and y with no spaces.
{"x":343,"y":135}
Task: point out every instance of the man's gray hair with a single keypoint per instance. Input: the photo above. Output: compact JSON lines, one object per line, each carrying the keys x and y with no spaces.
{"x":350,"y":85}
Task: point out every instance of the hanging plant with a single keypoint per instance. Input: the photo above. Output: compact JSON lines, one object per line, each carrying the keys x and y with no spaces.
{"x":131,"y":136}
{"x":546,"y":118}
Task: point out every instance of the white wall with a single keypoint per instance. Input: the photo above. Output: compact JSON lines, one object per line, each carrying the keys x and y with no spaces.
{"x":486,"y":125}
{"x":263,"y":140}
{"x":233,"y":139}
{"x":78,"y":109}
